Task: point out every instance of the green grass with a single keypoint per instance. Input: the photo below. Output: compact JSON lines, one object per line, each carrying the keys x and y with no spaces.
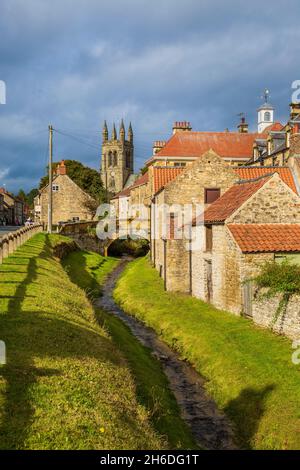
{"x":65,"y":384}
{"x":87,"y":270}
{"x":249,"y":370}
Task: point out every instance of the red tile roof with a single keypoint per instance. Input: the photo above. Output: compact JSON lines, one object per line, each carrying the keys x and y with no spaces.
{"x":163,"y":175}
{"x":143,"y":179}
{"x":264,"y":238}
{"x":276,"y":126}
{"x":231,"y":200}
{"x":252,"y":172}
{"x":226,"y":144}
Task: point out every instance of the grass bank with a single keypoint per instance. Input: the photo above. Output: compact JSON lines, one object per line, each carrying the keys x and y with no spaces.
{"x":88,"y":270}
{"x":249,"y":370}
{"x":65,"y":384}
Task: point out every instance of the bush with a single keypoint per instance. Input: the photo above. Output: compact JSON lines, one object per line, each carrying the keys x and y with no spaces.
{"x":135,"y":248}
{"x":279,"y":278}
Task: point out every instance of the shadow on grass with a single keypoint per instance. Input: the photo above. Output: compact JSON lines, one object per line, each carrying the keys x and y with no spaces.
{"x":152,"y":386}
{"x":246,"y":412}
{"x":36,"y":334}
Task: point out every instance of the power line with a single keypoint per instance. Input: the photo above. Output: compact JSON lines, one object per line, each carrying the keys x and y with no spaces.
{"x":77,"y":139}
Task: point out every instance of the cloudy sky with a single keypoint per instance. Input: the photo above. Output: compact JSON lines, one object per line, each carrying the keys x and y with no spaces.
{"x":73,"y":63}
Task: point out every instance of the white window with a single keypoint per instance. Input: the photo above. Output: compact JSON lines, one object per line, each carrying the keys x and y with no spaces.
{"x":55,"y":188}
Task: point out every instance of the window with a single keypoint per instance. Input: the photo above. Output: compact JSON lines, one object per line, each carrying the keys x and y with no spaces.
{"x":267,"y":116}
{"x":208,"y":237}
{"x":75,"y":219}
{"x":112,"y":184}
{"x":179,"y":164}
{"x":128,"y":159}
{"x":110,"y":162}
{"x":211,"y":195}
{"x":115,"y":160}
{"x":55,"y":188}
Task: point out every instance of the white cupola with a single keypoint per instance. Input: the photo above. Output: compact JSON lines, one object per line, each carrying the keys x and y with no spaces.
{"x":265,"y":113}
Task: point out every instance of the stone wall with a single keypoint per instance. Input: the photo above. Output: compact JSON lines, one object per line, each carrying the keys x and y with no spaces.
{"x":177,"y":273}
{"x":288,"y":322}
{"x":273,"y":203}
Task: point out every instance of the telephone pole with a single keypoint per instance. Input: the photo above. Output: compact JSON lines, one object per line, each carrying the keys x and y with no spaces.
{"x":50,"y":179}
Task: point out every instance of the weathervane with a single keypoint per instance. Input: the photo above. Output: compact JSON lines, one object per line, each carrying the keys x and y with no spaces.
{"x":266,"y":95}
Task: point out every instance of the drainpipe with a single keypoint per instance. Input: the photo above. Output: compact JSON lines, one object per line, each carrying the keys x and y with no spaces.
{"x":165,"y":263}
{"x":154,"y":232}
{"x":191,"y":263}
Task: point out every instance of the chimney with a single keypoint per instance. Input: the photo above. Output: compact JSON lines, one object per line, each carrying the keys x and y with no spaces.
{"x":243,"y":126}
{"x":62,"y":169}
{"x":294,"y":110}
{"x":157,"y":146}
{"x":180,"y":126}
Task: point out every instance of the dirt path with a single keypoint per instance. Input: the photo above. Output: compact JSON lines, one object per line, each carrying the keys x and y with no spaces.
{"x":209,"y":426}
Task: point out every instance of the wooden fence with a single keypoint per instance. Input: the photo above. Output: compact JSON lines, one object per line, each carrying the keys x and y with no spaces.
{"x":11,"y":241}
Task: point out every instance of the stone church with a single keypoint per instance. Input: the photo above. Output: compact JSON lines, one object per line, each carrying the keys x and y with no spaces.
{"x":117,"y":159}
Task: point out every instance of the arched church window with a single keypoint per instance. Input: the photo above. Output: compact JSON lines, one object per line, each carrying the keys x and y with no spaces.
{"x":110,"y":162}
{"x":115,"y":160}
{"x":267,"y":116}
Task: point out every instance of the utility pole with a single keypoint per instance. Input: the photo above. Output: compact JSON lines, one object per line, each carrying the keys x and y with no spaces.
{"x":50,"y":179}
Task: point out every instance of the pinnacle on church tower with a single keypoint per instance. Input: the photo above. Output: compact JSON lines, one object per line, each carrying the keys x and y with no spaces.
{"x":122,"y":131}
{"x":114,"y":133}
{"x":130,"y":133}
{"x":105,"y":132}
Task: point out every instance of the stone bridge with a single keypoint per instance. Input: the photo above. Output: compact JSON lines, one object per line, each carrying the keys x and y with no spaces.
{"x":84,"y":234}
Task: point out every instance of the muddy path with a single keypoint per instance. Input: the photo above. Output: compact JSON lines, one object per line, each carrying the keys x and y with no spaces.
{"x":210,"y":427}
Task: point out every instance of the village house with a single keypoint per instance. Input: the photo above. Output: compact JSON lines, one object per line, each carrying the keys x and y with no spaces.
{"x":70,"y":202}
{"x":240,"y":231}
{"x":13,"y":209}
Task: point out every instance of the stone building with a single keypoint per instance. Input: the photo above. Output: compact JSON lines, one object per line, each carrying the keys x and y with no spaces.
{"x":132,"y":208}
{"x":186,"y":145}
{"x":70,"y":202}
{"x":117,"y":162}
{"x":196,"y":186}
{"x":13,"y":209}
{"x":252,"y":222}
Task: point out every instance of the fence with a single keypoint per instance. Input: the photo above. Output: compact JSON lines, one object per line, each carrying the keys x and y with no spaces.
{"x":10,"y":242}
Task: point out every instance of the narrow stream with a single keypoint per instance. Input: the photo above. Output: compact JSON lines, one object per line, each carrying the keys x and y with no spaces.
{"x":211,"y":429}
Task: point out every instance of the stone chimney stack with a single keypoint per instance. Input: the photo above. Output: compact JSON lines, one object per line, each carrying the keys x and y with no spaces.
{"x":294,"y":110}
{"x":243,"y":126}
{"x":61,"y":168}
{"x":181,"y":126}
{"x":157,"y":146}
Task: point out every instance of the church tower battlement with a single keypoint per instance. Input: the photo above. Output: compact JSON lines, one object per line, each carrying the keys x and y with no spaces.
{"x":117,"y":158}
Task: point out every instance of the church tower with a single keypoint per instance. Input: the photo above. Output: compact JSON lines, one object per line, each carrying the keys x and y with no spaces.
{"x":117,"y":158}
